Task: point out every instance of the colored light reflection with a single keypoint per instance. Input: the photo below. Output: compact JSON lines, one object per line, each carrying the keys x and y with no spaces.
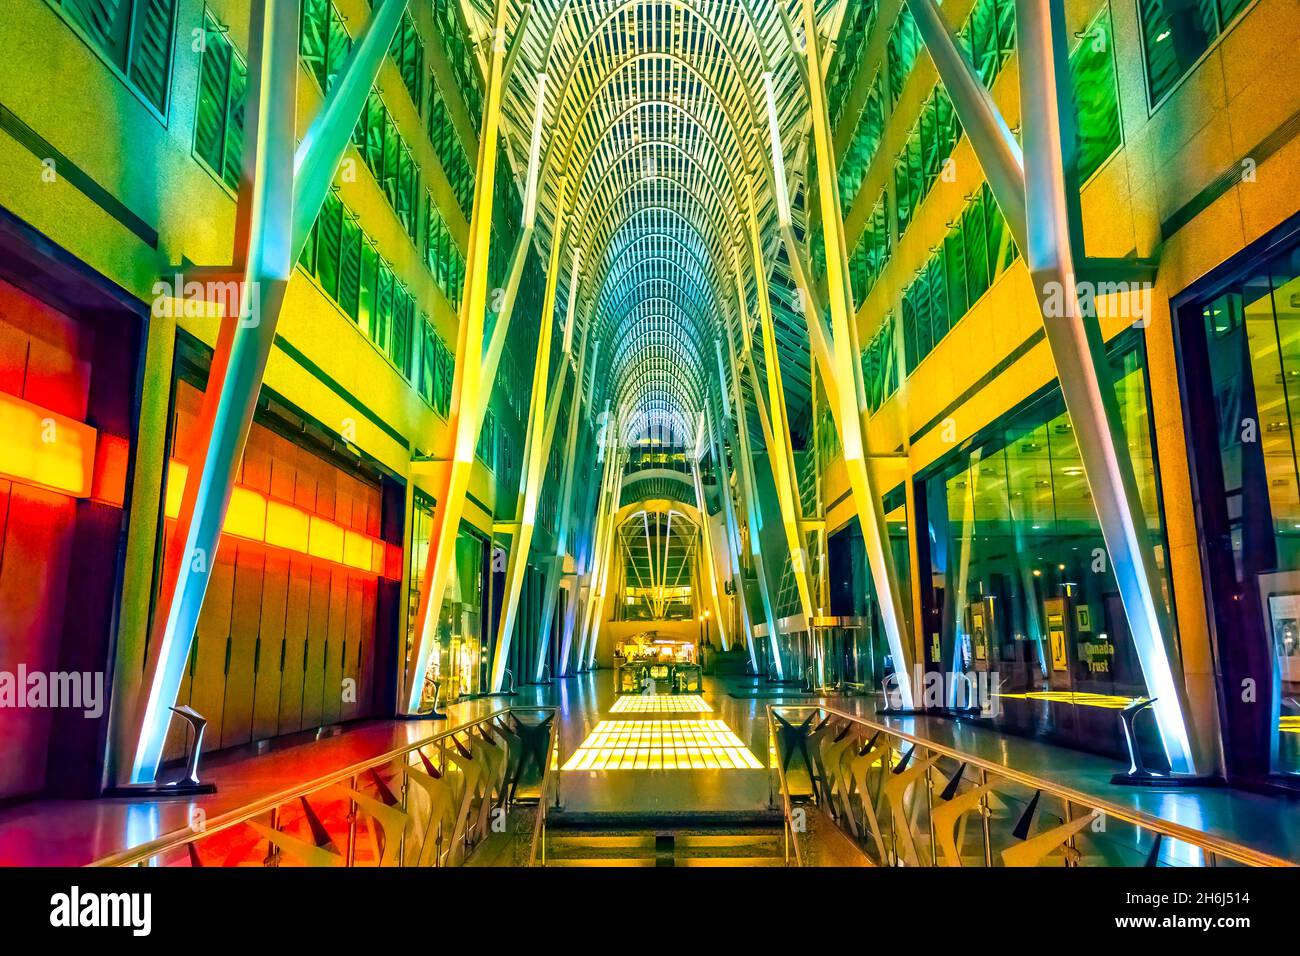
{"x":41,"y":447}
{"x":662,"y":745}
{"x":255,"y":517}
{"x":1105,"y":701}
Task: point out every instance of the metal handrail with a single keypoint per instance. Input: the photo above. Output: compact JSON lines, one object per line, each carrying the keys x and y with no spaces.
{"x":1206,"y":842}
{"x":787,"y":806}
{"x":179,"y":838}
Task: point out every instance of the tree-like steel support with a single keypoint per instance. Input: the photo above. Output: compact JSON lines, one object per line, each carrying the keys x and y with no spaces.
{"x":281,"y":192}
{"x":749,"y":490}
{"x":1031,"y":190}
{"x":538,"y":438}
{"x":564,"y":507}
{"x":603,"y":537}
{"x":706,"y":536}
{"x":775,"y":420}
{"x":738,"y":574}
{"x":583,"y":543}
{"x":836,"y":352}
{"x":468,"y":401}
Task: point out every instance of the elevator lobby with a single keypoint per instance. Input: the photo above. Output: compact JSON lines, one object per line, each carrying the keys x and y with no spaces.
{"x":575,"y":434}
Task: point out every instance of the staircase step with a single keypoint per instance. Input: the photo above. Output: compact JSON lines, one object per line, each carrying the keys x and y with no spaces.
{"x":601,"y":861}
{"x":645,"y":841}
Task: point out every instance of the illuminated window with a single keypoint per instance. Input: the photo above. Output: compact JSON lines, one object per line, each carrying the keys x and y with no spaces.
{"x":662,"y":745}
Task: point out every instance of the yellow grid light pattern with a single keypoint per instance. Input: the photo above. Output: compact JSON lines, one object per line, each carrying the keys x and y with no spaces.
{"x":661,"y":704}
{"x":662,"y":745}
{"x":1082,"y":698}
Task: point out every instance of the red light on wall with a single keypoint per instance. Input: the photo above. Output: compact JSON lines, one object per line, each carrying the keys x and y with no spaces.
{"x":41,"y":447}
{"x":254,"y":516}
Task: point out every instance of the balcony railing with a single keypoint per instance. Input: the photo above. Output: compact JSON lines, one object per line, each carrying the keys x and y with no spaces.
{"x":438,"y":802}
{"x":898,"y":799}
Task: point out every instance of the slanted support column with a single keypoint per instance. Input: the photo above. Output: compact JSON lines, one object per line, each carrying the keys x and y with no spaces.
{"x":750,"y":492}
{"x":775,"y":421}
{"x":840,"y":357}
{"x":537,"y":444}
{"x":281,"y":192}
{"x":582,"y":550}
{"x":564,"y":509}
{"x":468,"y":386}
{"x":1080,"y":357}
{"x":602,"y":544}
{"x":706,"y":536}
{"x":729,"y":514}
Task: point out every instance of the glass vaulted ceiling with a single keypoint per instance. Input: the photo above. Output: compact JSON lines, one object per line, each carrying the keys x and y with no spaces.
{"x":655,"y":151}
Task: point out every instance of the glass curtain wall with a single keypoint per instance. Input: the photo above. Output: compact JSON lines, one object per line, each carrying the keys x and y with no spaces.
{"x":1022,"y":584}
{"x":1246,"y":341}
{"x":857,"y":653}
{"x":459,"y":666}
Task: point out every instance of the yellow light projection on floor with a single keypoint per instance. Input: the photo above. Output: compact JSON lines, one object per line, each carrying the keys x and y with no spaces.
{"x":661,"y":704}
{"x":662,"y":745}
{"x":1082,"y":698}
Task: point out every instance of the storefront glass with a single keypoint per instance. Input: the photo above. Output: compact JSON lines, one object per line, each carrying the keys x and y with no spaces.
{"x":1031,"y":614}
{"x":458,"y":667}
{"x":1252,"y":339}
{"x":858,"y":654}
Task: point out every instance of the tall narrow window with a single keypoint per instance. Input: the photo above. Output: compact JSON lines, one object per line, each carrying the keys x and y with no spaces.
{"x":135,"y":36}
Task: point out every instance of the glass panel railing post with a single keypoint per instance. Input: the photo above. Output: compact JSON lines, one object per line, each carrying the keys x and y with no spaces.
{"x":929,"y":807}
{"x":273,"y":851}
{"x":1071,"y":853}
{"x":350,"y":856}
{"x":887,"y":766}
{"x":984,"y":819}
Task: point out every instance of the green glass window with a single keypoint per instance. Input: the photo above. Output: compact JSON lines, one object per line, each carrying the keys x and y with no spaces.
{"x":1096,"y":97}
{"x":339,"y":45}
{"x":862,"y":147}
{"x":369,"y":283}
{"x":383,"y":307}
{"x":219,"y":112}
{"x":399,"y":347}
{"x":1176,"y":33}
{"x":350,"y":267}
{"x":977,"y":249}
{"x":313,"y":37}
{"x":880,"y":366}
{"x":329,"y":237}
{"x":859,"y":20}
{"x":134,"y":36}
{"x":902,"y":50}
{"x":407,"y":52}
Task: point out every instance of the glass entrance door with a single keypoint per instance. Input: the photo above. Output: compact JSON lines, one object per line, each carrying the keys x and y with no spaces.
{"x":1244,"y":340}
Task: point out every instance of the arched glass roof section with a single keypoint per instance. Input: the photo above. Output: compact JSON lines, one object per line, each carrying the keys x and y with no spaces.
{"x":655,"y":163}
